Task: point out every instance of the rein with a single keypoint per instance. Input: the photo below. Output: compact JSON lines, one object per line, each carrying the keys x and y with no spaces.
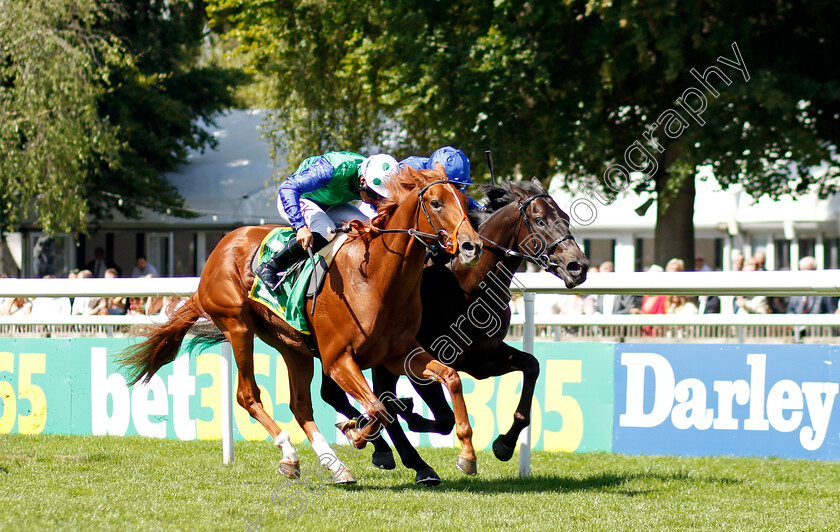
{"x":543,"y":261}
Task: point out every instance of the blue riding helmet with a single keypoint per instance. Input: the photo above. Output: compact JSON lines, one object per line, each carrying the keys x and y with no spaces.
{"x":455,"y":163}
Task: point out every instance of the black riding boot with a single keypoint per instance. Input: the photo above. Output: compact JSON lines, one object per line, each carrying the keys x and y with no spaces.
{"x":270,"y":270}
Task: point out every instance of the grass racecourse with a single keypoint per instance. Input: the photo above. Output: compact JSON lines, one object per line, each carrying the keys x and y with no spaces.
{"x":133,"y":483}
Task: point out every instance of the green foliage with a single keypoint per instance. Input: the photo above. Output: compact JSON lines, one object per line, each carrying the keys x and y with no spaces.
{"x":50,"y":131}
{"x":549,"y":86}
{"x":159,"y":103}
{"x":97,"y":101}
{"x":754,"y":129}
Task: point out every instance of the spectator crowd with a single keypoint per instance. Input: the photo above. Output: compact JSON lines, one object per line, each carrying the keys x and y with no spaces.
{"x":102,"y":267}
{"x":569,"y":304}
{"x":582,"y":304}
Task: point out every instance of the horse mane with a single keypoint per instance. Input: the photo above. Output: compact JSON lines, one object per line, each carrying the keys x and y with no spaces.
{"x":497,"y":197}
{"x":406,"y":182}
{"x":401,"y":185}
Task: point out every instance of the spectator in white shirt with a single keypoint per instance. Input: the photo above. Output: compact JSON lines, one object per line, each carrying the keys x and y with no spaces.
{"x":51,"y":306}
{"x":85,"y":305}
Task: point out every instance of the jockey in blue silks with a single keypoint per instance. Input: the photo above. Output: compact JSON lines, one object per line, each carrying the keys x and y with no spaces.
{"x":454,"y":162}
{"x":316,"y":199}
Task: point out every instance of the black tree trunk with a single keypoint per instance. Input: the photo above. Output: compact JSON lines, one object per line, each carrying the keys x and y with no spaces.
{"x":674,"y":233}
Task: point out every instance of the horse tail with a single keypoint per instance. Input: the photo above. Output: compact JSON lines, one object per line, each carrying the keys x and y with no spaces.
{"x":161,"y":347}
{"x":205,"y":335}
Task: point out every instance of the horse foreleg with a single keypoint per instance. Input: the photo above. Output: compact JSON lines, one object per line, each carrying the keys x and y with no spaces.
{"x":385,"y":385}
{"x":419,"y":365}
{"x":347,"y":374}
{"x":511,"y":359}
{"x":334,"y":396}
{"x":300,"y":369}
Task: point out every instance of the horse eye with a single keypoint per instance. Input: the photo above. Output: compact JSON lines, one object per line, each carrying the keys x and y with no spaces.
{"x":435,"y":204}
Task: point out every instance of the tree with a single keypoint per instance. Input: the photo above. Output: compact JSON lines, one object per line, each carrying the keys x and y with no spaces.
{"x":745,"y":88}
{"x":159,"y":103}
{"x":582,"y":88}
{"x":97,"y":102}
{"x":50,"y":130}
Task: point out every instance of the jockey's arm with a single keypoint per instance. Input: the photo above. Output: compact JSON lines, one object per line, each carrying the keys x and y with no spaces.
{"x":311,"y":179}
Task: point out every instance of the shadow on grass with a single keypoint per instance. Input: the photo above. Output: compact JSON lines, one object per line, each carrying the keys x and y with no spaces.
{"x":623,"y":484}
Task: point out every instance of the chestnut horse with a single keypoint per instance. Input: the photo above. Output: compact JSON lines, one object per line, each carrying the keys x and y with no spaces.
{"x":367,"y":314}
{"x":521,"y":223}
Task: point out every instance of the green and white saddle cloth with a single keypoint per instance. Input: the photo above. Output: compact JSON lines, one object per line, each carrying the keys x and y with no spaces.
{"x":289,"y":300}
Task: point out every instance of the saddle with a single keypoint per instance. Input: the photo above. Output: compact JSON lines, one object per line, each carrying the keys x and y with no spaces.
{"x":303,"y":280}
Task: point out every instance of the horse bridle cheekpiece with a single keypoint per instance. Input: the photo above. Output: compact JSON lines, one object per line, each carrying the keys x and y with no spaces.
{"x":441,"y":236}
{"x":446,"y":242}
{"x":543,"y":260}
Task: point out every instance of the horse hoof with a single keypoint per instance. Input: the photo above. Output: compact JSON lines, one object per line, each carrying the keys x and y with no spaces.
{"x":343,"y":476}
{"x":383,"y":460}
{"x":291,"y":470}
{"x":502,"y":451}
{"x":427,"y":477}
{"x":467,"y":466}
{"x":344,"y":426}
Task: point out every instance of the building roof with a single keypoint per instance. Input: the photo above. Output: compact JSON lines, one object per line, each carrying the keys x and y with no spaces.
{"x":231,"y":185}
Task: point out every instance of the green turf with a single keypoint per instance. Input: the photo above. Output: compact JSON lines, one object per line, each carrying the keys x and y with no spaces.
{"x":86,"y":482}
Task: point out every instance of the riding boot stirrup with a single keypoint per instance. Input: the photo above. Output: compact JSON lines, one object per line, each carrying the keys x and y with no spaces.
{"x":270,"y":271}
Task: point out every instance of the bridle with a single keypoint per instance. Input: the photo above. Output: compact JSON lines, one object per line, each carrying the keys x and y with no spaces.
{"x":441,"y":237}
{"x":543,"y":260}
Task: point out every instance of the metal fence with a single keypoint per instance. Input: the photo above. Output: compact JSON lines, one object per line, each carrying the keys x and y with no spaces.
{"x":599,"y":327}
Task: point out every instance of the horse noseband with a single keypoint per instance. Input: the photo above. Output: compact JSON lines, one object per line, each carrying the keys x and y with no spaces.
{"x":544,"y":260}
{"x":551,"y":247}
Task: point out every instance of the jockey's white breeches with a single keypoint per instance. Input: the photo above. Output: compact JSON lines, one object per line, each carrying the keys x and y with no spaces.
{"x":323,"y":221}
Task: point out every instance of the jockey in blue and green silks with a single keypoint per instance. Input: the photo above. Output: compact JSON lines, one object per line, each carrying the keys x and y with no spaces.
{"x":317,"y":197}
{"x":455,"y":163}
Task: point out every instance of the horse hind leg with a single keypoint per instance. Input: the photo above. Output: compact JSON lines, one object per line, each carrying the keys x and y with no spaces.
{"x":384,"y":385}
{"x":300,"y":369}
{"x":248,"y":393}
{"x":420,"y":366}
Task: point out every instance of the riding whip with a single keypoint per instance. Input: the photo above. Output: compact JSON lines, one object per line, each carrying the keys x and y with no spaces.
{"x":490,"y":164}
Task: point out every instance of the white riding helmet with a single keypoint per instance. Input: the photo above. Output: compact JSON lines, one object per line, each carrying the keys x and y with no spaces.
{"x":377,"y":170}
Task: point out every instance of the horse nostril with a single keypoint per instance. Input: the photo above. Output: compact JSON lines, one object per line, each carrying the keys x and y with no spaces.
{"x":468,"y":246}
{"x":573,"y":267}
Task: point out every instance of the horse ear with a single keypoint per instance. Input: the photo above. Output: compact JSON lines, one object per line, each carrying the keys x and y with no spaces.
{"x":537,"y":183}
{"x":517,"y":190}
{"x":439,"y":168}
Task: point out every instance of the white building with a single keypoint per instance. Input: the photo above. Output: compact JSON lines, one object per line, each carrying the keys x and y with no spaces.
{"x":723,"y":221}
{"x":230,"y":186}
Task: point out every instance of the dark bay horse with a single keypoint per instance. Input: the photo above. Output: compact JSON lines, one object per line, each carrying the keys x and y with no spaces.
{"x":466,"y":316}
{"x":367,"y":314}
